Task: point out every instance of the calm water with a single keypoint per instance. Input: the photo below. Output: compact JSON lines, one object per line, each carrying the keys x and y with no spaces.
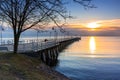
{"x":92,"y":58}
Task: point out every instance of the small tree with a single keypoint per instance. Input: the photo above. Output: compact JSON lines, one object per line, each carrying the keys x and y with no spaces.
{"x":26,"y":14}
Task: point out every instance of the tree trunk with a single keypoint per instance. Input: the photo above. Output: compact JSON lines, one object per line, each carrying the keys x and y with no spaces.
{"x":16,"y":42}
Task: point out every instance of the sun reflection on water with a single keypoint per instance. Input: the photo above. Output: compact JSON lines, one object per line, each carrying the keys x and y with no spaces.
{"x":92,"y":45}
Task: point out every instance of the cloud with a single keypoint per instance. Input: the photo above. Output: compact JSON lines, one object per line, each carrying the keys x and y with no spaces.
{"x":104,"y":24}
{"x":109,"y":23}
{"x":108,"y":28}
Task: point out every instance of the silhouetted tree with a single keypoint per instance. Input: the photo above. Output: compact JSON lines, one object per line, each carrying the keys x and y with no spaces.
{"x":22,"y":15}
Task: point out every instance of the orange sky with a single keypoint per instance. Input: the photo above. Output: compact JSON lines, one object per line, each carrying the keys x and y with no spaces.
{"x":104,"y":24}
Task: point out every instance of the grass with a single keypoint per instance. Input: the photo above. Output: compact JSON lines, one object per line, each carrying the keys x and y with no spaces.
{"x":22,"y":67}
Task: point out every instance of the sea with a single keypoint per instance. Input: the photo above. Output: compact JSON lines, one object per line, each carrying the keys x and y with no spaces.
{"x":91,"y":58}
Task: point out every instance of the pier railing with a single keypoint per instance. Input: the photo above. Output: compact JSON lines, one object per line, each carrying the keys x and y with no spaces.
{"x":31,"y":45}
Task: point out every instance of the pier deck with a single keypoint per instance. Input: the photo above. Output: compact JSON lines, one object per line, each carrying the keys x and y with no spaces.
{"x":33,"y":46}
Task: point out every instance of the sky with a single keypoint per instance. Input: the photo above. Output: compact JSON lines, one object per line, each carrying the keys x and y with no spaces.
{"x":106,"y":15}
{"x":106,"y":10}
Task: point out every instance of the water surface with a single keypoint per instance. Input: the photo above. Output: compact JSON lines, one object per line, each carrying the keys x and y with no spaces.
{"x":92,"y":58}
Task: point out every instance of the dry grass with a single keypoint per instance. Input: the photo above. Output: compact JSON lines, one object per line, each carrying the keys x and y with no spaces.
{"x":22,"y":67}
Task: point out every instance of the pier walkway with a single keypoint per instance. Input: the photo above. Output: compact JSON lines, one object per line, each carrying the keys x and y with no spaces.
{"x":33,"y":45}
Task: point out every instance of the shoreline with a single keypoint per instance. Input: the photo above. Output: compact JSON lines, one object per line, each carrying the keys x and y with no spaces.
{"x":22,"y":67}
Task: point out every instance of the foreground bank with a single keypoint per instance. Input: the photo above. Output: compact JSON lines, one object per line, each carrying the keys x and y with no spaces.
{"x":22,"y":67}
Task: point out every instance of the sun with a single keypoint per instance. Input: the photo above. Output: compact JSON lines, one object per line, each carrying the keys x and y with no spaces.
{"x":93,"y":25}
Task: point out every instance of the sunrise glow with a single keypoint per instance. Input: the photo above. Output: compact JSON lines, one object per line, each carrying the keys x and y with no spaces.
{"x":92,"y":44}
{"x":93,"y":25}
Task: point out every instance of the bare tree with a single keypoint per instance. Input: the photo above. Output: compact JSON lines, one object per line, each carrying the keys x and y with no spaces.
{"x":86,"y":3}
{"x":25,"y":14}
{"x":22,"y":15}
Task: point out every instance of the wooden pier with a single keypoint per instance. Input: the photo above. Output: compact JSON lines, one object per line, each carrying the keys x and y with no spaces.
{"x":47,"y":51}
